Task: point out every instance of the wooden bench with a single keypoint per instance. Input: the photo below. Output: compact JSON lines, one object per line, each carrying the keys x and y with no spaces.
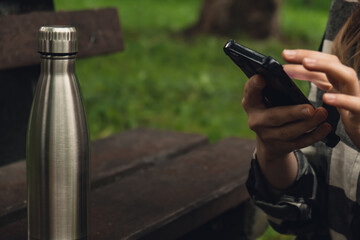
{"x":146,"y":183}
{"x":145,"y":188}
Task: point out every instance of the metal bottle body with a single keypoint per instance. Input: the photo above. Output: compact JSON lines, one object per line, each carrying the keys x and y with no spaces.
{"x":58,"y":155}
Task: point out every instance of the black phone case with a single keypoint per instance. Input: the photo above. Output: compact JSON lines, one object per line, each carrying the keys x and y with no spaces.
{"x":280,"y":90}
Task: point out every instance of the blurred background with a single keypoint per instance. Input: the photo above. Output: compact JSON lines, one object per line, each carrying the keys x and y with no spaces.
{"x":174,"y":74}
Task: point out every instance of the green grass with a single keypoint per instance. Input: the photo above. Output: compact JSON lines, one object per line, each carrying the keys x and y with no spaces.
{"x":167,"y":82}
{"x":163,"y":81}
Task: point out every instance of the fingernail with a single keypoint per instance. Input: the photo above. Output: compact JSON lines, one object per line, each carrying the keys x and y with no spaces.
{"x":309,"y":61}
{"x":330,"y":97}
{"x":289,"y":53}
{"x":326,"y":127}
{"x":320,"y":116}
{"x":291,"y":75}
{"x":306,"y":112}
{"x":258,"y":82}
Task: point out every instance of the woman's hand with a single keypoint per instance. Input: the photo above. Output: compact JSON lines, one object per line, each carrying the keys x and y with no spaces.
{"x":329,"y":74}
{"x":280,"y":131}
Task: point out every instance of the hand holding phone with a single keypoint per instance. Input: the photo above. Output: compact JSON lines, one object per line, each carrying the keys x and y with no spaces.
{"x":280,"y":90}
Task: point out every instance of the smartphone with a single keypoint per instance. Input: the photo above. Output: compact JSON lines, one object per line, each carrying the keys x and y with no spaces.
{"x":280,"y":90}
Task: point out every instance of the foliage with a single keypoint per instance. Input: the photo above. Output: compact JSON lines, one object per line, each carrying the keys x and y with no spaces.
{"x":164,"y":81}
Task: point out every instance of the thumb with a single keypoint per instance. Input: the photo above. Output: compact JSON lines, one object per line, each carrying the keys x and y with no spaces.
{"x":253,"y":97}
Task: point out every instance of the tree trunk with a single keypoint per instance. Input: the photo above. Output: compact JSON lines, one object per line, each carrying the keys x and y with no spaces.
{"x":257,"y":18}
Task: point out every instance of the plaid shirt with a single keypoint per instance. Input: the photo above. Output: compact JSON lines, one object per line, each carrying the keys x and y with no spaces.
{"x":324,"y":200}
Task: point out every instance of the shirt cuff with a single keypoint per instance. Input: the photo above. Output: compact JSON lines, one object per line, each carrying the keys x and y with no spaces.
{"x":295,"y":206}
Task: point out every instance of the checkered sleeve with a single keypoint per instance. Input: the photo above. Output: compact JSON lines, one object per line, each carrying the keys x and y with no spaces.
{"x":296,"y":210}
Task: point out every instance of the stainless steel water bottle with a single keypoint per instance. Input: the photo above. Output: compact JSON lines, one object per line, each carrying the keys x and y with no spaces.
{"x":58,"y":144}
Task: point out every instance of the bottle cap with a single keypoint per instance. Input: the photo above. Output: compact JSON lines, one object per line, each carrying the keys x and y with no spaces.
{"x":58,"y":40}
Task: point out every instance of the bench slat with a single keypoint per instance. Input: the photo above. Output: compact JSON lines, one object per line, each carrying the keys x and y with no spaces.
{"x":169,"y":200}
{"x":99,"y":32}
{"x":112,"y":158}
